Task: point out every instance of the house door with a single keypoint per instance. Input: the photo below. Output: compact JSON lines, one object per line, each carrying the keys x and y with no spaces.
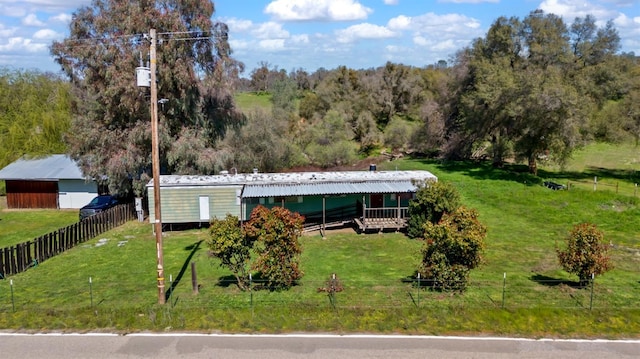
{"x":376,"y":201}
{"x":204,"y":209}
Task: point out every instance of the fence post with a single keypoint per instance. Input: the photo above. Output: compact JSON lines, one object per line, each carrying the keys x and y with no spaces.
{"x":91,"y":291}
{"x":251,"y":294}
{"x":591,"y":300}
{"x":635,"y":189}
{"x":13,"y":302}
{"x":595,"y":183}
{"x":504,"y":286}
{"x":418,"y":289}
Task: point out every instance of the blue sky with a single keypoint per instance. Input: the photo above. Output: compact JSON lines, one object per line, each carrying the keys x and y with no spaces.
{"x":309,"y":34}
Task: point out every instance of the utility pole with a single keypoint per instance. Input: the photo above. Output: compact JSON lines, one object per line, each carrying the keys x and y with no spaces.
{"x":155,"y":159}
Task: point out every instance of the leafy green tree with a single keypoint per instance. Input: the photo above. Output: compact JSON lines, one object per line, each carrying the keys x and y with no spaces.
{"x":195,"y":74}
{"x":35,"y":114}
{"x":452,"y":248}
{"x":397,"y":134}
{"x":586,"y":253}
{"x":228,"y":243}
{"x":433,"y":200}
{"x":276,"y":232}
{"x":329,"y":141}
{"x":263,"y":143}
{"x":531,"y":85}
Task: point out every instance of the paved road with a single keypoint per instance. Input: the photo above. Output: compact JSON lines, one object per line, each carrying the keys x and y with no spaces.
{"x":90,"y":346}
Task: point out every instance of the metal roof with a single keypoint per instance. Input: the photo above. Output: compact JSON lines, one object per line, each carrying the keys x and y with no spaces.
{"x":326,"y":188}
{"x":50,"y":168}
{"x":306,"y":183}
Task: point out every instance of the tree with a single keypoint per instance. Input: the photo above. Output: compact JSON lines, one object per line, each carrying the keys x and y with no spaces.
{"x":263,"y":143}
{"x":35,"y":114}
{"x":195,"y":73}
{"x":328,"y":141}
{"x":433,"y":200}
{"x":586,"y":253}
{"x":276,"y":232}
{"x":228,"y":243}
{"x":452,"y":248}
{"x":531,"y":85}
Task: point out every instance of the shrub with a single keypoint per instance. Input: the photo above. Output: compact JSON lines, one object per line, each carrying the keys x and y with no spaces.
{"x":433,"y":200}
{"x":452,"y":248}
{"x":586,"y":253}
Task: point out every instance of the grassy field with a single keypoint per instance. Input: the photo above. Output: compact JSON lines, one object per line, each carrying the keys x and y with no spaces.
{"x":19,"y":226}
{"x":248,"y":101}
{"x":519,"y":290}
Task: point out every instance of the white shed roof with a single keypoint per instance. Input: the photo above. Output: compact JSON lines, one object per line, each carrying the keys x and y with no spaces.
{"x":50,"y":168}
{"x":306,"y":183}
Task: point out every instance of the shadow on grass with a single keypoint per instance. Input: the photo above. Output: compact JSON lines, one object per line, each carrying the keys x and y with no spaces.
{"x":520,"y":173}
{"x":193,"y":249}
{"x":485,"y":170}
{"x":554,"y":282}
{"x":226,"y":280}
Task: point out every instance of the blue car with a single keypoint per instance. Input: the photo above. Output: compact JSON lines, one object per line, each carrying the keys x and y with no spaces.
{"x":97,"y":205}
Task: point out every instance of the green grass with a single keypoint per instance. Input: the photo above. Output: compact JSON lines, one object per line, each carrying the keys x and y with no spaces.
{"x":526,"y":222}
{"x":19,"y":226}
{"x":248,"y":101}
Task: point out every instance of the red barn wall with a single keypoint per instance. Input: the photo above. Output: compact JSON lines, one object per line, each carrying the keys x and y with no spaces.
{"x":32,"y":194}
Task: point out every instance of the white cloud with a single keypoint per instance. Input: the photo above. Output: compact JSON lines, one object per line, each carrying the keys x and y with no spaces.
{"x":25,"y":6}
{"x":7,"y":32}
{"x":32,"y":20}
{"x":270,"y":30}
{"x":570,"y":9}
{"x":438,"y":26}
{"x":272,"y":44}
{"x":238,"y":25}
{"x":22,"y":44}
{"x":47,"y":34}
{"x":12,"y":10}
{"x":364,"y":31}
{"x":400,"y":23}
{"x":300,"y":39}
{"x":320,"y":10}
{"x":469,"y":1}
{"x":391,"y":2}
{"x":62,"y":17}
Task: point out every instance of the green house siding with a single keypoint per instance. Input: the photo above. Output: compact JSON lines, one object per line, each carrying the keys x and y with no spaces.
{"x":182,"y":204}
{"x":309,"y":205}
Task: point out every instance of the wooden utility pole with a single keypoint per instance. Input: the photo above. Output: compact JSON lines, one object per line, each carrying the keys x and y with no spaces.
{"x":155,"y":159}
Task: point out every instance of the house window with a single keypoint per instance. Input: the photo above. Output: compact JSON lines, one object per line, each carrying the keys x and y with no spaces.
{"x":289,"y":199}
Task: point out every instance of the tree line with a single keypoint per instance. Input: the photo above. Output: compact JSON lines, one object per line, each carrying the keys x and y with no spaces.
{"x":531,"y":90}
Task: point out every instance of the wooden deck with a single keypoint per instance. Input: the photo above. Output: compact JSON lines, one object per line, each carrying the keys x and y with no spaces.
{"x":380,"y":224}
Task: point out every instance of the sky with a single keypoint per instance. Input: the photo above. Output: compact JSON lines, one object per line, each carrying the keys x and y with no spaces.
{"x":310,"y":34}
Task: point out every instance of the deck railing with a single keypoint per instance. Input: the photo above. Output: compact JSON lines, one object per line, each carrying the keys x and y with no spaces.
{"x":388,"y":213}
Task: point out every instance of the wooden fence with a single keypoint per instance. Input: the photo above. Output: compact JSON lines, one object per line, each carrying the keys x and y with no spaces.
{"x":19,"y":258}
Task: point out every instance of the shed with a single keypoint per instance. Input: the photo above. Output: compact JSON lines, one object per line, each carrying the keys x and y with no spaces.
{"x":54,"y":181}
{"x":321,"y":197}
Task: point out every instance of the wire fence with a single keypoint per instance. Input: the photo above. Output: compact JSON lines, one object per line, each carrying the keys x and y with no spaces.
{"x":624,"y":188}
{"x":350,"y":294}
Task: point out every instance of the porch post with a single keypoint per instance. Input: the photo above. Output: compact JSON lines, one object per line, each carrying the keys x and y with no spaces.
{"x":324,"y":206}
{"x":398,"y":200}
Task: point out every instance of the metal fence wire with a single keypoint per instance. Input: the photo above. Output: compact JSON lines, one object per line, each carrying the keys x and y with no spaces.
{"x":353,"y":294}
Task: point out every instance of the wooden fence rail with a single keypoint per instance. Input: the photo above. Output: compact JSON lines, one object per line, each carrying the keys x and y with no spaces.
{"x":19,"y":258}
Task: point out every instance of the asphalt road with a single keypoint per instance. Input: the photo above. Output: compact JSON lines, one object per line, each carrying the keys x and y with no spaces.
{"x":90,"y":346}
